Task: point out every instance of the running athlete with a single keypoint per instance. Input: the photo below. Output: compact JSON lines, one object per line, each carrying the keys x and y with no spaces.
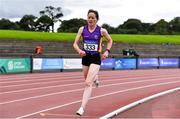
{"x":91,"y":35}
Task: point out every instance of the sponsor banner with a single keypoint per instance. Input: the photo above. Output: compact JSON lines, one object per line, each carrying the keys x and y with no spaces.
{"x":148,"y":62}
{"x":37,"y":63}
{"x":125,"y":63}
{"x":15,"y":65}
{"x":107,"y":63}
{"x":72,"y":63}
{"x":47,"y":63}
{"x":169,"y":62}
{"x":52,"y":63}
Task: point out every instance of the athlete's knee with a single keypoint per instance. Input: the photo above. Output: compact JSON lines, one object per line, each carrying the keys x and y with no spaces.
{"x":88,"y":83}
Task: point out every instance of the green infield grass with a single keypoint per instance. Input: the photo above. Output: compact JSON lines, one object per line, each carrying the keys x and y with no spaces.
{"x":125,"y":38}
{"x":39,"y":36}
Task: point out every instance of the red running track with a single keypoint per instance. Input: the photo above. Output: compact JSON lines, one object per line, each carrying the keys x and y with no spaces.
{"x":165,"y":107}
{"x":58,"y":95}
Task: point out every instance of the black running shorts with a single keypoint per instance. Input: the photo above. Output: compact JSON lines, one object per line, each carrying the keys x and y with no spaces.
{"x":91,"y":59}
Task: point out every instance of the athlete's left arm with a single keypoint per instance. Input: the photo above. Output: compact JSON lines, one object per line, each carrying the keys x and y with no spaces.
{"x":105,"y":34}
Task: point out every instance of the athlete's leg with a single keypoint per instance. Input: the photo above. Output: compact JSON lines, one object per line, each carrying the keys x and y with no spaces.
{"x":92,"y":72}
{"x":80,"y":111}
{"x":96,"y":80}
{"x":85,"y":71}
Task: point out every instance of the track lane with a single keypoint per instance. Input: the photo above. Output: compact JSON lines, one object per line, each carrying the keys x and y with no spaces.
{"x":103,"y":101}
{"x":7,"y":97}
{"x":165,"y":107}
{"x":44,"y":103}
{"x":45,"y":76}
{"x":49,"y":101}
{"x":52,"y":82}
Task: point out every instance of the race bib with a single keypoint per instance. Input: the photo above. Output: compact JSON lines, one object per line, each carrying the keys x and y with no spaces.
{"x":90,"y":47}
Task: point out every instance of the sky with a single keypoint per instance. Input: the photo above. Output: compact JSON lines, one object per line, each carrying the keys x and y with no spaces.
{"x":112,"y":12}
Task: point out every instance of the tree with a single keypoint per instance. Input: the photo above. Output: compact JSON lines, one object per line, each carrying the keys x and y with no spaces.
{"x":109,"y":28}
{"x":43,"y":23}
{"x":7,"y":24}
{"x":146,"y":27}
{"x":133,"y":24}
{"x":174,"y":24}
{"x":71,"y":25}
{"x":161,"y":27}
{"x":53,"y":13}
{"x":27,"y":23}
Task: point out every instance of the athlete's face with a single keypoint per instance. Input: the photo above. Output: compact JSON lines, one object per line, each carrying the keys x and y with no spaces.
{"x":91,"y":19}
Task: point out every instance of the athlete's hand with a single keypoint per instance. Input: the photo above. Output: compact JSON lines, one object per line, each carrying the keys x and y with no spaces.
{"x":82,"y":53}
{"x":105,"y":55}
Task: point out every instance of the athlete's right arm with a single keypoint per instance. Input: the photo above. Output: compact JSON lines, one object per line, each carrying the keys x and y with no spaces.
{"x":76,"y":42}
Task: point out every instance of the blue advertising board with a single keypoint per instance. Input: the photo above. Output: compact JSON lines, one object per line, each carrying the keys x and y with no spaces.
{"x":169,"y":62}
{"x":52,"y":63}
{"x":107,"y":63}
{"x":125,"y":63}
{"x":147,"y":62}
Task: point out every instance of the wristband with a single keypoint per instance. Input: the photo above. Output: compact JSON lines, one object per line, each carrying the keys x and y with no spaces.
{"x":108,"y":50}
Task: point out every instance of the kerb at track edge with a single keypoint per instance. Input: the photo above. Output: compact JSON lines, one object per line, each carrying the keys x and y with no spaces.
{"x":122,"y":109}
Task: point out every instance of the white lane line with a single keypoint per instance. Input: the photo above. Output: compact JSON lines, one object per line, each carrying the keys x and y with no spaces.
{"x":60,"y":74}
{"x":60,"y":115}
{"x":42,"y":75}
{"x":73,"y":80}
{"x":46,"y":87}
{"x":136,"y":103}
{"x":30,"y":79}
{"x":70,"y":79}
{"x":99,"y":96}
{"x":40,"y":78}
{"x":70,"y":91}
{"x":29,"y":84}
{"x":6,"y":78}
{"x":110,"y":80}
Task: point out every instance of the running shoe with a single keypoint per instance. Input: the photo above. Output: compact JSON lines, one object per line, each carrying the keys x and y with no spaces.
{"x":96,"y":82}
{"x":80,"y":111}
